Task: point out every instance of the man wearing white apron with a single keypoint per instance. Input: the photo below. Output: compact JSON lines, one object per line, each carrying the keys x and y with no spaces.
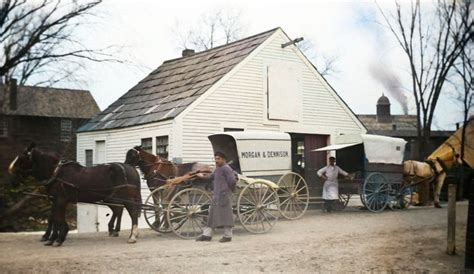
{"x":331,"y":186}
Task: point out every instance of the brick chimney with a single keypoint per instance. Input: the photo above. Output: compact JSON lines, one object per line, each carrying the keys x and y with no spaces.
{"x":13,"y":92}
{"x":187,"y":52}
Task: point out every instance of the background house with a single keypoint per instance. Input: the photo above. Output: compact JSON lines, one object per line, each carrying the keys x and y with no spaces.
{"x":47,"y":116}
{"x":262,"y":82}
{"x":402,"y":126}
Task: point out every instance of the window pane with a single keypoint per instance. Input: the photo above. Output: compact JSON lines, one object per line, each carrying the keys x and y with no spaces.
{"x":162,"y":146}
{"x":66,"y":129}
{"x":3,"y":127}
{"x":88,"y":157}
{"x":147,"y":145}
{"x":227,"y":129}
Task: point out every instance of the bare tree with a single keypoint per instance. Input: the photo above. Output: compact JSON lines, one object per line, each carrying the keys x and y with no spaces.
{"x":326,"y":65}
{"x":464,"y":71}
{"x":36,"y":37}
{"x":432,"y":45}
{"x":218,"y":27}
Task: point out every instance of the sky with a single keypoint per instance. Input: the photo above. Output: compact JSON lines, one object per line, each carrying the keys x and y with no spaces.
{"x":365,"y":51}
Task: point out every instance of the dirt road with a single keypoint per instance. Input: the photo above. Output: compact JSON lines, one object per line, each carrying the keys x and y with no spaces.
{"x":352,"y":240}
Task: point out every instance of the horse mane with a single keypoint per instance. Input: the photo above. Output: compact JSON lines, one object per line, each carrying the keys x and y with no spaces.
{"x":45,"y":163}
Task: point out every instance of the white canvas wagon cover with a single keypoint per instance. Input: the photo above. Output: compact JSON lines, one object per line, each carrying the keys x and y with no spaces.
{"x":377,"y":148}
{"x":255,"y":153}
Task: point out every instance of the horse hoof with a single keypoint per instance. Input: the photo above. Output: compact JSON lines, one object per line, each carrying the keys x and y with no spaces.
{"x":43,"y":239}
{"x":437,"y":205}
{"x":58,"y":244}
{"x":131,"y":241}
{"x":115,"y":234}
{"x":49,"y":243}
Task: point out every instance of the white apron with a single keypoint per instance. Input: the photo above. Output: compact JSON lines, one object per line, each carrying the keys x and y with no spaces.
{"x":331,"y":185}
{"x":331,"y":190}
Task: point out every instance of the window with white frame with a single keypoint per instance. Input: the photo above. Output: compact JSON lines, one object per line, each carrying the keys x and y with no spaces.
{"x":162,"y":146}
{"x":147,"y":145}
{"x":66,"y":130}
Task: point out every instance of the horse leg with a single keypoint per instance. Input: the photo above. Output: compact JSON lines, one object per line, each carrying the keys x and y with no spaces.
{"x":114,"y":228}
{"x":133,"y":211}
{"x":439,"y":184}
{"x":119,"y":221}
{"x":112,"y":221}
{"x":47,"y":233}
{"x":63,"y":228}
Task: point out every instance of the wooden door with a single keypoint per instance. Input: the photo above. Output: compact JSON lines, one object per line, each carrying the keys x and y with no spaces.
{"x":314,"y":160}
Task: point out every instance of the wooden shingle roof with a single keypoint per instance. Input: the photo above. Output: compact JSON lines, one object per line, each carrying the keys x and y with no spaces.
{"x":173,"y":86}
{"x":49,"y":102}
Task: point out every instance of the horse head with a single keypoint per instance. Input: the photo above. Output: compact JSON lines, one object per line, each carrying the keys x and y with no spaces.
{"x":133,"y":157}
{"x":22,"y":166}
{"x":32,"y":162}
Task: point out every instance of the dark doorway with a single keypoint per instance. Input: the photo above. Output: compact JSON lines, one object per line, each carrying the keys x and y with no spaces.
{"x":307,"y":162}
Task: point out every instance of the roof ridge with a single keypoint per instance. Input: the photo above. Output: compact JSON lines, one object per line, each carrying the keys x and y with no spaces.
{"x":53,"y":88}
{"x":221,"y":46}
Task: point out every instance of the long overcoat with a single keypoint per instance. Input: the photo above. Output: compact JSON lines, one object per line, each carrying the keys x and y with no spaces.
{"x":220,"y":213}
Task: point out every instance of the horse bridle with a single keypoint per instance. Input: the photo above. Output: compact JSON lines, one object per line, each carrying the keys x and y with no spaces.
{"x":153,"y":173}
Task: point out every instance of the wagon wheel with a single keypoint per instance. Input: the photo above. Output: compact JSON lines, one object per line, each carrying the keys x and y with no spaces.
{"x":294,"y":195}
{"x":405,"y":198}
{"x":343,"y":200}
{"x":375,"y":192}
{"x":155,"y":210}
{"x":257,"y":207}
{"x":187,"y":212}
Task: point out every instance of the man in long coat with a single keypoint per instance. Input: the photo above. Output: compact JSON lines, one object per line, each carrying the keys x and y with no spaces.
{"x":331,"y":185}
{"x":220,"y":213}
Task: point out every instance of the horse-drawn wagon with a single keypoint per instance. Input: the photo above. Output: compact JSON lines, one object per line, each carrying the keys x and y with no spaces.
{"x":266,"y":187}
{"x":377,"y":165}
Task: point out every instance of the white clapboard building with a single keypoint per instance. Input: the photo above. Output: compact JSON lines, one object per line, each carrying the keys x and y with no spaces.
{"x":262,"y":82}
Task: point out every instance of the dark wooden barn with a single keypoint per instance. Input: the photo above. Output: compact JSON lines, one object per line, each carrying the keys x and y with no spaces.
{"x":47,"y":116}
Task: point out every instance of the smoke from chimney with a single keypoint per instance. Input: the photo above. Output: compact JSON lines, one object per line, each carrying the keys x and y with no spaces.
{"x":391,"y":83}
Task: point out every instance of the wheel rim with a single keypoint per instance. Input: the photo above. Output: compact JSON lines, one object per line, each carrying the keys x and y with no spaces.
{"x":375,"y":192}
{"x":155,"y":211}
{"x":343,"y":200}
{"x":188,"y":211}
{"x":258,"y":207}
{"x":405,"y":198}
{"x":294,"y":195}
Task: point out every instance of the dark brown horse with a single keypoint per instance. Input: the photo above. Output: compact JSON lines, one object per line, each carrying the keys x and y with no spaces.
{"x":71,"y":183}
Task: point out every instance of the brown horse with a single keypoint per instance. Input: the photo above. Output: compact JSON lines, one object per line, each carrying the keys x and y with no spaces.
{"x":71,"y":183}
{"x":157,"y":170}
{"x":433,"y":170}
{"x":160,"y":172}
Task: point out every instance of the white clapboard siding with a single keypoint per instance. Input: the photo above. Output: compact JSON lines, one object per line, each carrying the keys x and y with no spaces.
{"x":240,"y":101}
{"x":117,"y":143}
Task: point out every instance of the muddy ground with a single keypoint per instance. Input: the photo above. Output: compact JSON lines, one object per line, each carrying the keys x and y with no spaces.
{"x":352,"y":240}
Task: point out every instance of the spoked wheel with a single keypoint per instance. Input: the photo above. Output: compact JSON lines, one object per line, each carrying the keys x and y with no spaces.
{"x":188,"y":211}
{"x":405,"y":198}
{"x":155,"y":211}
{"x":258,"y":207}
{"x":294,"y":195}
{"x":375,"y":192}
{"x":343,"y":200}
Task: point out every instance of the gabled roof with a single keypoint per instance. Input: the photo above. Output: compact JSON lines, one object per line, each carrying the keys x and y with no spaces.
{"x":400,"y":126}
{"x":173,"y":86}
{"x":49,"y":102}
